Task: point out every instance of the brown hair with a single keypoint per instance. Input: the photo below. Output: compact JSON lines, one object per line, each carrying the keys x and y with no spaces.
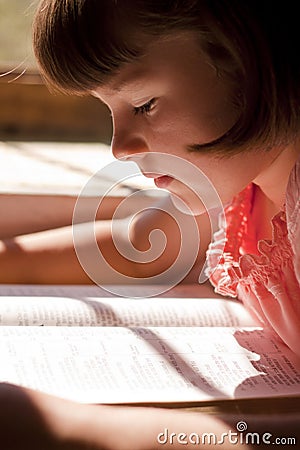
{"x":81,"y":44}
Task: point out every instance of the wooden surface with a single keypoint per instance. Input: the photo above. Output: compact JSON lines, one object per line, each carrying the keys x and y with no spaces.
{"x":30,"y":112}
{"x":276,"y":418}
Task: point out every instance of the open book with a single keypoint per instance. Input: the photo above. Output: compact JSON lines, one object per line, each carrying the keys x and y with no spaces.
{"x":82,"y":344}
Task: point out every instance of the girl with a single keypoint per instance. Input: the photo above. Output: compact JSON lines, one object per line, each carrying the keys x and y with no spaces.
{"x":214,"y":84}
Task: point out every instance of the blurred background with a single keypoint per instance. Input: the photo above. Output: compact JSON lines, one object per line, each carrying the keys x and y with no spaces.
{"x":28,"y":111}
{"x":50,"y":145}
{"x":15,"y":32}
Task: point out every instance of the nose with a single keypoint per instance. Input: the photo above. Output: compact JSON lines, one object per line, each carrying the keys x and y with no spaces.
{"x":127,"y":144}
{"x":128,"y":138}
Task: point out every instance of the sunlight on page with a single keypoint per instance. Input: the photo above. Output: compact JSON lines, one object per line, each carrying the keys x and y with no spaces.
{"x":80,"y":343}
{"x":166,"y":364}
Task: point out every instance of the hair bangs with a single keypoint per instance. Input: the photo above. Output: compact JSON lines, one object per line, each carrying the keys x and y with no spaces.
{"x":78,"y":49}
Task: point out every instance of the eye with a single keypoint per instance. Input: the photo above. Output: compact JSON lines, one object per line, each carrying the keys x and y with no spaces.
{"x":146,"y":108}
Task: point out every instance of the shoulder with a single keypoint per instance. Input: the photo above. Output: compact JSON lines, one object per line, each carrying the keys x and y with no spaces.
{"x":168,"y":242}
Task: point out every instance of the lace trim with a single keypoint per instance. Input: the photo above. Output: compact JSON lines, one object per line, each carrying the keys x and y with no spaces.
{"x":224,"y":252}
{"x":232,"y":267}
{"x":273,"y":254}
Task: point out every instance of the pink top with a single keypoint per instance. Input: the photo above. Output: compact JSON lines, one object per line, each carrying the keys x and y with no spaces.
{"x":265,"y":276}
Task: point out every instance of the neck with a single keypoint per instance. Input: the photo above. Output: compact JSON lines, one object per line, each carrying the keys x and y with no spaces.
{"x":273,"y":180}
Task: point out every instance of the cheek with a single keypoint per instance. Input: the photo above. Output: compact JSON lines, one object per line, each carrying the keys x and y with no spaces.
{"x":173,"y":133}
{"x":175,"y":120}
{"x":178,"y":131}
{"x":167,"y":135}
{"x":208,"y":126}
{"x":212,"y":113}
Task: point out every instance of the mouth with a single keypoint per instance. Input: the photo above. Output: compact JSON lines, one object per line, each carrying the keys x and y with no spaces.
{"x":161,"y":181}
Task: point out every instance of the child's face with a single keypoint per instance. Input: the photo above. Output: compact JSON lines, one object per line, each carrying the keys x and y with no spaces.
{"x":170,"y":99}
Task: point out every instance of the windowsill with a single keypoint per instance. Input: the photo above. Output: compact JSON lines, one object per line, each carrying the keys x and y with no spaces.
{"x":29,"y":112}
{"x":51,"y":168}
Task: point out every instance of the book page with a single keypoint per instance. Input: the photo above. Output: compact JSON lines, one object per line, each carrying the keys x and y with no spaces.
{"x":148,"y":365}
{"x":75,"y":308}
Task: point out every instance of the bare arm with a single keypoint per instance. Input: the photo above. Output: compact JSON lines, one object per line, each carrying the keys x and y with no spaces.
{"x":49,"y":257}
{"x":27,"y":214}
{"x":30,"y":420}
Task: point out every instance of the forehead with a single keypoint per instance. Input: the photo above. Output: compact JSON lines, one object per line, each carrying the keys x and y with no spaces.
{"x":168,"y":55}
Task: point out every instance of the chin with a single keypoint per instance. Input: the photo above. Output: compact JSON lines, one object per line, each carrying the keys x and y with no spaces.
{"x":186,"y":206}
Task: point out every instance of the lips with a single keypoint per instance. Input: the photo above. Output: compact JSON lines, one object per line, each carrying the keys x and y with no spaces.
{"x":163,"y":181}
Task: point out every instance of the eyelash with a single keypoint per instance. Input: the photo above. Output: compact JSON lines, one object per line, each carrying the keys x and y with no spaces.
{"x":144,"y":109}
